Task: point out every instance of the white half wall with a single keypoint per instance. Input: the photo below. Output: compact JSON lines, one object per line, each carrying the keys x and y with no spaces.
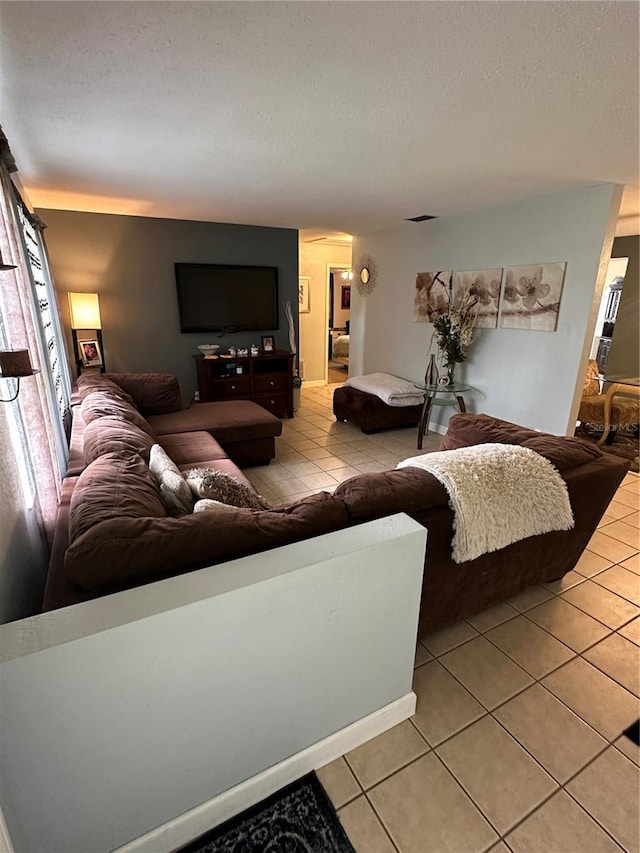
{"x":121,"y":714}
{"x":531,"y":378}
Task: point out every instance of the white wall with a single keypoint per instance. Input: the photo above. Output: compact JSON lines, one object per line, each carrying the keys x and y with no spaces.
{"x":531,"y":378}
{"x":122,"y":713}
{"x":314,"y":326}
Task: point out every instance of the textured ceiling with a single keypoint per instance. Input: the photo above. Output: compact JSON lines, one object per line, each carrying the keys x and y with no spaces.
{"x":343,"y":116}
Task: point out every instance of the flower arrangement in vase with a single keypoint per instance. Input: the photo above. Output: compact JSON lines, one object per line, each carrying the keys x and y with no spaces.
{"x":454,"y":330}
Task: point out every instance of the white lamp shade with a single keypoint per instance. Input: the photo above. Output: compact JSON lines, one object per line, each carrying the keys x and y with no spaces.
{"x":84,"y":309}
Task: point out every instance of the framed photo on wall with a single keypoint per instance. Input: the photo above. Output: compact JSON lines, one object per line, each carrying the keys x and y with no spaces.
{"x":90,"y":353}
{"x":345,"y":301}
{"x":303,"y":295}
{"x":267,"y":343}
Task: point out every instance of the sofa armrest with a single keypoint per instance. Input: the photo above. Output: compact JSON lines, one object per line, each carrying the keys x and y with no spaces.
{"x":152,"y":393}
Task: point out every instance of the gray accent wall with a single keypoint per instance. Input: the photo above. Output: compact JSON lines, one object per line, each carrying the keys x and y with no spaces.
{"x":129,"y":262}
{"x":625,"y":344}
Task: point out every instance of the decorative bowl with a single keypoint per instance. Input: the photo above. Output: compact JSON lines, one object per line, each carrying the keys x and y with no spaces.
{"x":208,"y":349}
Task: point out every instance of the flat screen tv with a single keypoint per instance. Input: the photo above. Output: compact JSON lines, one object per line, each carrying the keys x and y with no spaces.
{"x":227,"y":298}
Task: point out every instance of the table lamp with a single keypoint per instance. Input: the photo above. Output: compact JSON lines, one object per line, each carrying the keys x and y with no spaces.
{"x":84,"y":311}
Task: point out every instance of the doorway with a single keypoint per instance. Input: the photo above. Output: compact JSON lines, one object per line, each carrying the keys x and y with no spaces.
{"x":608,"y":312}
{"x":339,"y":312}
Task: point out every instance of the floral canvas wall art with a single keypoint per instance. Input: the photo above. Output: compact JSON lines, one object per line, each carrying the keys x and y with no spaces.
{"x":432,"y":296}
{"x":531,"y":298}
{"x":484,"y":286}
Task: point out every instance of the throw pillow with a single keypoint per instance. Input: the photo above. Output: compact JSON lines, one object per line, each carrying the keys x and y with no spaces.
{"x":207,"y":483}
{"x":176,"y":494}
{"x":174,"y":491}
{"x":160,"y":461}
{"x":208,"y":505}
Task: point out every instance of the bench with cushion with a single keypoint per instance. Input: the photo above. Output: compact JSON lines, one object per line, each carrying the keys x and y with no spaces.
{"x":371,"y":413}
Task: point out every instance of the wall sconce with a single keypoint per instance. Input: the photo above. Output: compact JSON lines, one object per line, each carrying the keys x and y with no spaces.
{"x":84,"y":310}
{"x":347,"y":275}
{"x":6,"y":267}
{"x":15,"y":363}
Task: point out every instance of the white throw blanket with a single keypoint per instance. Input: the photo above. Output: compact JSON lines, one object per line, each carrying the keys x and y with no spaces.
{"x":390,"y":389}
{"x":499,"y":493}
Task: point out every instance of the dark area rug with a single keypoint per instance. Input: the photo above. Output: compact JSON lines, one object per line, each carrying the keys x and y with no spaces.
{"x":624,"y":445}
{"x":298,"y":819}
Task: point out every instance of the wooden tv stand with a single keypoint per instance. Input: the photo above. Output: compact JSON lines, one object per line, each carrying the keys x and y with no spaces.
{"x":266,"y":379}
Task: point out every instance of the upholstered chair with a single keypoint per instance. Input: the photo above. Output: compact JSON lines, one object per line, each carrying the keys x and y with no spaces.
{"x":618,"y":408}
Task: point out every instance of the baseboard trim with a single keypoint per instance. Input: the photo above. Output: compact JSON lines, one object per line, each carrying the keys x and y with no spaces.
{"x":441,"y":429}
{"x":181,"y":830}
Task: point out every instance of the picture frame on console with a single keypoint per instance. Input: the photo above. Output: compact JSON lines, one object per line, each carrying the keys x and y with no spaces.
{"x":90,"y":353}
{"x":268,"y":344}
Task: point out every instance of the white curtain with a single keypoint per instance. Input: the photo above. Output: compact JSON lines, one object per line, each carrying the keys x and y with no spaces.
{"x":20,"y":330}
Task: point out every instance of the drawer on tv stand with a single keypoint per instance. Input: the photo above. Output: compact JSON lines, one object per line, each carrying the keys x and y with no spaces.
{"x":230,"y":387}
{"x":270,"y":383}
{"x":277,"y":404}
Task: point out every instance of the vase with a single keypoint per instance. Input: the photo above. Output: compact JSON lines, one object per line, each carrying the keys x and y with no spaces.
{"x":451,"y":374}
{"x":432,"y":374}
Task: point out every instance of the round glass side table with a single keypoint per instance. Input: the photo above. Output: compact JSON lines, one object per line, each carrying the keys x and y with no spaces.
{"x":431,"y":399}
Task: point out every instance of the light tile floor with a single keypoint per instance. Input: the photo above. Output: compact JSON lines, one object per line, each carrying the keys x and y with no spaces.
{"x":517,"y":741}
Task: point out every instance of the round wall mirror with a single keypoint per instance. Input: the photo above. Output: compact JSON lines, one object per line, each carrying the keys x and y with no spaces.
{"x":366,"y":274}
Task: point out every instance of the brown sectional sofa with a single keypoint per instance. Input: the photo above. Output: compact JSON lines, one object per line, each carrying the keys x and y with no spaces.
{"x":114,"y":533}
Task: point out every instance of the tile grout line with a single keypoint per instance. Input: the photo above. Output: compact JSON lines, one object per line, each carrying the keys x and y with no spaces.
{"x":520,"y":692}
{"x":382,"y":824}
{"x":536,"y":680}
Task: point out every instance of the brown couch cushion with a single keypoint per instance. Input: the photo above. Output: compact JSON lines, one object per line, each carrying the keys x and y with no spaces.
{"x":152,"y":393}
{"x":121,"y":551}
{"x":116,"y":488}
{"x":409,"y":490}
{"x":227,"y":421}
{"x":99,"y":404}
{"x":466,"y":430}
{"x":562,"y":451}
{"x":192,"y":448}
{"x":94,"y":381}
{"x":112,"y":435}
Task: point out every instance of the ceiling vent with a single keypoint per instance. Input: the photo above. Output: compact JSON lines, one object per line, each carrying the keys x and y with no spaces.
{"x":422,"y":218}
